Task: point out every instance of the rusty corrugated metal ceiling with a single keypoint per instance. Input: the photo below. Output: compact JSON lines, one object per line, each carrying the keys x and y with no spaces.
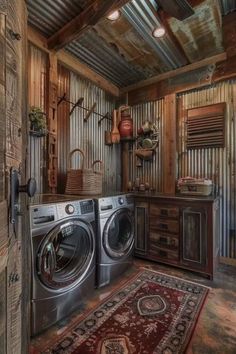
{"x":124,"y":51}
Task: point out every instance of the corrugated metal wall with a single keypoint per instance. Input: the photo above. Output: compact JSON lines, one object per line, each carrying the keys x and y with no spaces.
{"x":37,"y":85}
{"x":150,"y":171}
{"x":215,"y":163}
{"x":89,"y":135}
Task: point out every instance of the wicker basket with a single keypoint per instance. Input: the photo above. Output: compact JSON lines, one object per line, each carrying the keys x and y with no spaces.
{"x":196,"y":189}
{"x":83,"y":181}
{"x":193,"y":186}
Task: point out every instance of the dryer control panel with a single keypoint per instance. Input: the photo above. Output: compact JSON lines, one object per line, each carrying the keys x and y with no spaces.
{"x":110,"y":203}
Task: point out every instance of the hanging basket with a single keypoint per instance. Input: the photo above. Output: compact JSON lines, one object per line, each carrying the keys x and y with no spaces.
{"x":83,"y":181}
{"x":144,"y":154}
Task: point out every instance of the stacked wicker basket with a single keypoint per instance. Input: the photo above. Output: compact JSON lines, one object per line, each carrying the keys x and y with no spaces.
{"x":83,"y":181}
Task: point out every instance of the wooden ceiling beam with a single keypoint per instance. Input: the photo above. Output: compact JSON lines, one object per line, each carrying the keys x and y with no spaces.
{"x":83,"y":70}
{"x":170,"y":74}
{"x":229,"y":34}
{"x":87,"y":18}
{"x":194,"y":79}
{"x":73,"y":64}
{"x":178,"y":9}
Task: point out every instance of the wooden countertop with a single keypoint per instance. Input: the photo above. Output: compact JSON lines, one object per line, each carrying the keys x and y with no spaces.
{"x":196,"y":198}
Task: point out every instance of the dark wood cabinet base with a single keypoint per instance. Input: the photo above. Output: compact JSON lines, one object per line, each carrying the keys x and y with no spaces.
{"x":178,"y":231}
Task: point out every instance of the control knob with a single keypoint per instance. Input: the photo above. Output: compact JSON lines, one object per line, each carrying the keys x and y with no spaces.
{"x":120,"y":200}
{"x":69,"y":209}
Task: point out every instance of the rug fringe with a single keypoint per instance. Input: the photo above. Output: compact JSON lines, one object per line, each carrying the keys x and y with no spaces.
{"x":173,"y":276}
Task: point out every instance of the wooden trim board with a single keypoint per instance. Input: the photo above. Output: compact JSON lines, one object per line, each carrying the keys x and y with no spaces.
{"x":73,"y":64}
{"x":207,"y":61}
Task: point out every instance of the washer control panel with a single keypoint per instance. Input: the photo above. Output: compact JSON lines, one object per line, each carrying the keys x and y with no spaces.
{"x":45,"y":214}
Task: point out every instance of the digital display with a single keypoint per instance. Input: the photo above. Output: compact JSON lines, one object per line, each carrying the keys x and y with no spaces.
{"x":86,"y":206}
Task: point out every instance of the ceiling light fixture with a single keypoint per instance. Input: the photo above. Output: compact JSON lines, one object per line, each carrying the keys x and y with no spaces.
{"x":113,"y":16}
{"x":158,"y":32}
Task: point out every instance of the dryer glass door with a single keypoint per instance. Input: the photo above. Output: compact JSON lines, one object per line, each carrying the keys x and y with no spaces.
{"x":118,"y":234}
{"x":65,"y":254}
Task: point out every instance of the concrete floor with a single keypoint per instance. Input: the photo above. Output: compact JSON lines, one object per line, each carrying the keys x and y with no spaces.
{"x":216,"y":328}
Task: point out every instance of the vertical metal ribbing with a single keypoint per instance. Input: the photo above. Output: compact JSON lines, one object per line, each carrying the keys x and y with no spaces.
{"x":215,"y":163}
{"x":150,"y":171}
{"x":89,"y":135}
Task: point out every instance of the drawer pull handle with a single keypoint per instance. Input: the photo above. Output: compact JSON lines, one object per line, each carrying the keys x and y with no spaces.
{"x":164,"y":226}
{"x":162,"y":253}
{"x":164,"y":212}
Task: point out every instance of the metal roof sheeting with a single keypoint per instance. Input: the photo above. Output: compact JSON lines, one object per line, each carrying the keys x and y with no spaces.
{"x":50,"y":15}
{"x":227,"y":6}
{"x":125,"y":51}
{"x":143,"y":17}
{"x":104,"y":59}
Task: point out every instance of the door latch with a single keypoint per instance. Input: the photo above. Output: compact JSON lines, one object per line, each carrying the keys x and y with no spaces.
{"x":29,"y":188}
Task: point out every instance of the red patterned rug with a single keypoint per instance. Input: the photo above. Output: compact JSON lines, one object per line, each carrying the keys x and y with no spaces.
{"x":152,"y":313}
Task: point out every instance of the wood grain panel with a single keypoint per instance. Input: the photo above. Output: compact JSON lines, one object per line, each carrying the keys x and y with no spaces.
{"x":2,"y":101}
{"x":3,"y":235}
{"x":52,"y":94}
{"x":206,"y":126}
{"x":2,"y":313}
{"x":63,"y":126}
{"x":169,"y":144}
{"x":158,"y":210}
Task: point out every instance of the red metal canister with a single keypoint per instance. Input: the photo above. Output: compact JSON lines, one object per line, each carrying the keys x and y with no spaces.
{"x":126,"y":126}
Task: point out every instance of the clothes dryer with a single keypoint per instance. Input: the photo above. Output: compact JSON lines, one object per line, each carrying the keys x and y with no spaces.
{"x":63,"y":257}
{"x":115,"y":236}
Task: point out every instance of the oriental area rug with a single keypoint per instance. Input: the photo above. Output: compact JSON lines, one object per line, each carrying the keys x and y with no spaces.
{"x":152,"y":313}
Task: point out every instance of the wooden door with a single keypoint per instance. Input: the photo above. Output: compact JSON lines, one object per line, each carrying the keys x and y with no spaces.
{"x":194,"y":237}
{"x":141,"y":228}
{"x":13,"y":124}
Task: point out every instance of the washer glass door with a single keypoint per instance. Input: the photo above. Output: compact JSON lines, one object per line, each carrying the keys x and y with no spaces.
{"x":118,"y":234}
{"x":65,"y":254}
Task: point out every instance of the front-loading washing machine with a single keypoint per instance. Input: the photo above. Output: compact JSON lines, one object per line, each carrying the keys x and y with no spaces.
{"x":115,"y":236}
{"x":63,"y":257}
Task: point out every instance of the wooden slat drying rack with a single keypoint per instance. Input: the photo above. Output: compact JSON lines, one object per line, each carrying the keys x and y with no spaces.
{"x":89,"y":110}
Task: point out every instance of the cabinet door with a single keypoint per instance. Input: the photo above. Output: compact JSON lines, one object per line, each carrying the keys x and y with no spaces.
{"x":194,"y":237}
{"x":141,"y":228}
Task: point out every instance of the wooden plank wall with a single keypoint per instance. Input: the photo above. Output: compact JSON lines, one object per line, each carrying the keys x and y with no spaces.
{"x":169,"y":144}
{"x":12,"y":334}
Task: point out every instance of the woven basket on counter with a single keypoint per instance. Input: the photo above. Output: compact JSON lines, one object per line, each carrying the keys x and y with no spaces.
{"x":83,"y":181}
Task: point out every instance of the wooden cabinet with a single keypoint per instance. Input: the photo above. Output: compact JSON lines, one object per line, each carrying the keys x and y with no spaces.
{"x":141,"y":228}
{"x":163,"y":231}
{"x":178,"y":231}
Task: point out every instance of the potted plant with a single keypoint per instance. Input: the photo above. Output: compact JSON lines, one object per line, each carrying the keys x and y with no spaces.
{"x":38,"y":124}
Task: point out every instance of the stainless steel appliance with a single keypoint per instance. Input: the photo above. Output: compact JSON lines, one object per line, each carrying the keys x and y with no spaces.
{"x":115,"y":236}
{"x":63,"y":257}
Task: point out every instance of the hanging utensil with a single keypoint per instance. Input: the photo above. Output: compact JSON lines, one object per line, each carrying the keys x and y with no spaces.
{"x":115,"y":134}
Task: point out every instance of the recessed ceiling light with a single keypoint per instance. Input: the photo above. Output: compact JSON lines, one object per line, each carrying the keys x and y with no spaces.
{"x":113,"y":16}
{"x":158,"y":32}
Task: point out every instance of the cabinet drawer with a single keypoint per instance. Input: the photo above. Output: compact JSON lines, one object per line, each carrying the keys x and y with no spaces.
{"x":157,"y":210}
{"x":163,"y":253}
{"x":164,"y":241}
{"x":165,"y":224}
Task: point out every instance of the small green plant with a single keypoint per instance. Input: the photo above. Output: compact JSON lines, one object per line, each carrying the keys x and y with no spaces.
{"x":38,"y":120}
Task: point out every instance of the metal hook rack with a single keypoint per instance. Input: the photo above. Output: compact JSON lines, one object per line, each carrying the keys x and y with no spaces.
{"x":89,"y":110}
